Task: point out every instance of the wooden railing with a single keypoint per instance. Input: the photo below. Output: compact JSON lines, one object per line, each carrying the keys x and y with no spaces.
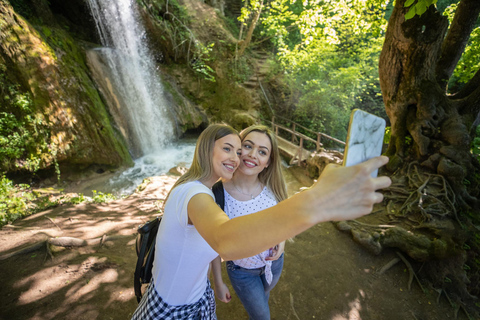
{"x":295,"y":134}
{"x":299,"y":138}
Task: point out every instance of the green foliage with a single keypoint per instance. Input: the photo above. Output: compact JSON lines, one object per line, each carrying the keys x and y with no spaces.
{"x":13,"y":200}
{"x":174,"y":19}
{"x":469,"y":63}
{"x":330,"y":66}
{"x":240,"y":70}
{"x":417,"y":7}
{"x":100,"y":197}
{"x":388,"y":135}
{"x":18,"y":201}
{"x":475,"y":147}
{"x":78,"y":199}
{"x":24,"y":133}
{"x":199,"y":64}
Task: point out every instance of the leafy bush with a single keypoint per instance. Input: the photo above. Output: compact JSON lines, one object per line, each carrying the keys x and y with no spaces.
{"x":331,"y":67}
{"x":100,"y":197}
{"x":14,"y":200}
{"x":24,"y":134}
{"x":18,"y":201}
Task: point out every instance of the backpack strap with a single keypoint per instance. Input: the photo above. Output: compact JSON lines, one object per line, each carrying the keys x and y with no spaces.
{"x":219,"y":194}
{"x":146,"y":235}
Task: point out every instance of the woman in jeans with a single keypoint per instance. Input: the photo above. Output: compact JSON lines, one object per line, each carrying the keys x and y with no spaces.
{"x":256,"y":185}
{"x":194,"y":230}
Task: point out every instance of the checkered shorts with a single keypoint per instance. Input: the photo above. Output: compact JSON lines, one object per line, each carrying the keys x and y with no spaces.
{"x":152,"y":307}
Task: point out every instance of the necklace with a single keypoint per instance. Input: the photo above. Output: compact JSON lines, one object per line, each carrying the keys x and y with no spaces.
{"x":246,"y":194}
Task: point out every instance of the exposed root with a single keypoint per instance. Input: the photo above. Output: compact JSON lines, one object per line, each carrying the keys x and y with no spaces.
{"x":51,"y":220}
{"x":430,"y":195}
{"x":386,"y":267}
{"x":293,"y":308}
{"x":48,"y":252}
{"x":67,"y":242}
{"x":76,"y":242}
{"x":26,"y":250}
{"x":412,"y":273}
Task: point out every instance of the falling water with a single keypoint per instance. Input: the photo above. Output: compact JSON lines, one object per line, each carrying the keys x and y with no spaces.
{"x":134,"y":75}
{"x":127,"y":71}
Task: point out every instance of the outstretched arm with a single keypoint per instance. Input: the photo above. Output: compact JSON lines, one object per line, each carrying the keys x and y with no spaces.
{"x":341,"y":193}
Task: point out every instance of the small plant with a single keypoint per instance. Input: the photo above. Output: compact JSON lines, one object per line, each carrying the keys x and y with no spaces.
{"x":14,"y":200}
{"x":199,"y":63}
{"x":78,"y":199}
{"x":475,"y":147}
{"x":100,"y":197}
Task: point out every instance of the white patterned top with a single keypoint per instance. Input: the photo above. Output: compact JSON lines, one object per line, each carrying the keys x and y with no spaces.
{"x":235,"y":208}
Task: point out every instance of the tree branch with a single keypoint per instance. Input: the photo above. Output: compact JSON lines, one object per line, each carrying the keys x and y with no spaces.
{"x":456,"y":39}
{"x":469,"y":107}
{"x":470,"y":87}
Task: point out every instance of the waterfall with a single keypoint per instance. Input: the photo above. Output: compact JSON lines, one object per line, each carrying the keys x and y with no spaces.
{"x":148,"y":124}
{"x":126,"y":75}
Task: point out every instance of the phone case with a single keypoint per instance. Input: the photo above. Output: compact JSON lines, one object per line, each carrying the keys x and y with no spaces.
{"x":364,"y":138}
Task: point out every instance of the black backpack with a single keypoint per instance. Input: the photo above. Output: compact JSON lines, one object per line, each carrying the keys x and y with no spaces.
{"x":145,"y":245}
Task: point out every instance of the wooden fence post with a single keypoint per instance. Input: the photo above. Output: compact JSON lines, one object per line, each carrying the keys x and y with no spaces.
{"x":293,"y":134}
{"x":300,"y":149}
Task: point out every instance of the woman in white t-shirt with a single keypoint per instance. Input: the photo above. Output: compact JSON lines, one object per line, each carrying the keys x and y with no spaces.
{"x":256,"y":185}
{"x":194,"y":230}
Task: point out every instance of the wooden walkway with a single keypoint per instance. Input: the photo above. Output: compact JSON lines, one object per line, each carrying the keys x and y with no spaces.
{"x":295,"y":149}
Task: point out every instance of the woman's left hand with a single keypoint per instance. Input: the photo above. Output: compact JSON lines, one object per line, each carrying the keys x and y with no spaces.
{"x":222,"y":293}
{"x":277,"y":251}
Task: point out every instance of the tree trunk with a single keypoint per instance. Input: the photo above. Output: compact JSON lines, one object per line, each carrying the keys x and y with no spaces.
{"x":427,"y":125}
{"x":253,"y":24}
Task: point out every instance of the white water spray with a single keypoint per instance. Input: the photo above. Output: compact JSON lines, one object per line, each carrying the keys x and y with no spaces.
{"x":134,"y":75}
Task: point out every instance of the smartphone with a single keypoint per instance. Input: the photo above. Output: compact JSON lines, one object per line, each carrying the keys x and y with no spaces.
{"x":364,"y":138}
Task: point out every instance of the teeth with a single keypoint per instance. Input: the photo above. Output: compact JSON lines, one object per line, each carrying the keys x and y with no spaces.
{"x":250,"y":163}
{"x":229,"y":166}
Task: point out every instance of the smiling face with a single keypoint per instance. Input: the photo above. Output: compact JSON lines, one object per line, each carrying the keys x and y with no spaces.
{"x":255,"y":156}
{"x":225,"y":156}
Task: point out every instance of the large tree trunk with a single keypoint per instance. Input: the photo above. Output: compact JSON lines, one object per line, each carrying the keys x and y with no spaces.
{"x":435,"y":192}
{"x":417,"y":59}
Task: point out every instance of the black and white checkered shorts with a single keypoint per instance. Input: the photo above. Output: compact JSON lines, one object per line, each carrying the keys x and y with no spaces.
{"x":152,"y":307}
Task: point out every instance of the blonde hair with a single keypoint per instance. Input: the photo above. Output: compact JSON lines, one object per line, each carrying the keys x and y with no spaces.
{"x":272,"y":175}
{"x":202,"y":166}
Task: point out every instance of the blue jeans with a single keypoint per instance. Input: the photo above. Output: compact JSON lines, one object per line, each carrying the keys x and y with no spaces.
{"x":252,"y":287}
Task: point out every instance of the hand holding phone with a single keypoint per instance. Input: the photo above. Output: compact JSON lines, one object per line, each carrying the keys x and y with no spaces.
{"x":364,"y":138}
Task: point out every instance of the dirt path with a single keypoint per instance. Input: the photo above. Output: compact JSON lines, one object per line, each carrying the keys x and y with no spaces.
{"x":326,"y":275}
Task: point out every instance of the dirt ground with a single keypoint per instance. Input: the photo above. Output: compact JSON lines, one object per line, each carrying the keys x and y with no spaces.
{"x":326,"y":274}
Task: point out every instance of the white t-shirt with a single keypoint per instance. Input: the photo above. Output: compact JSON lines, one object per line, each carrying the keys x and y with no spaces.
{"x":182,"y":256}
{"x":236,"y":208}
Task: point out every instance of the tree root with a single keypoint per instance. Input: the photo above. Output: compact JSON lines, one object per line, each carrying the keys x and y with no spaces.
{"x":386,"y":267}
{"x":76,"y":242}
{"x":66,"y":242}
{"x":293,"y":308}
{"x":411,"y":272}
{"x":51,"y":220}
{"x":430,"y":195}
{"x":26,"y":250}
{"x":456,"y":307}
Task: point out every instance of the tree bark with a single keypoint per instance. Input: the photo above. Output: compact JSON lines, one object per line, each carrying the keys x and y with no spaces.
{"x":457,"y":38}
{"x":251,"y":28}
{"x":417,"y":104}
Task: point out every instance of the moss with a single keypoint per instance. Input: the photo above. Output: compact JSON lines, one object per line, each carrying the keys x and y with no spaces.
{"x":49,"y":65}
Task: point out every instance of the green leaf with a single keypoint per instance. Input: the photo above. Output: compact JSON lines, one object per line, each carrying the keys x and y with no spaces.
{"x":408,"y":3}
{"x":410,"y":14}
{"x":420,"y":7}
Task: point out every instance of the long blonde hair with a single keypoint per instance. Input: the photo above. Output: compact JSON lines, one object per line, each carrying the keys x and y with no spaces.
{"x":272,"y":175}
{"x":202,"y":166}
